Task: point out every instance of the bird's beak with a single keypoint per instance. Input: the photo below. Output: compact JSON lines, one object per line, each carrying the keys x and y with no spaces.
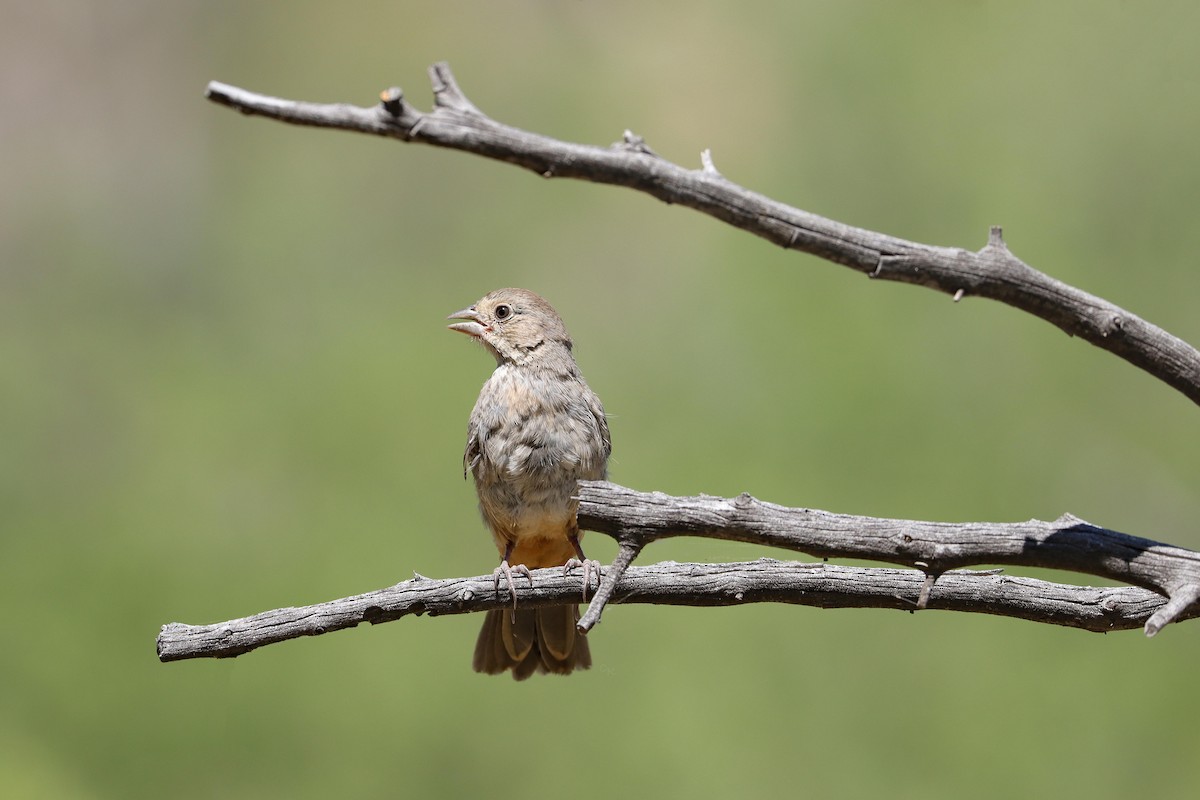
{"x":474,"y":325}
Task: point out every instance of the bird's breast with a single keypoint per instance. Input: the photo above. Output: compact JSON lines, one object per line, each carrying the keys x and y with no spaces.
{"x":536,"y":436}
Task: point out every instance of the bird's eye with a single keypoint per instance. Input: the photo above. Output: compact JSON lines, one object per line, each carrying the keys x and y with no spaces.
{"x":503,"y":312}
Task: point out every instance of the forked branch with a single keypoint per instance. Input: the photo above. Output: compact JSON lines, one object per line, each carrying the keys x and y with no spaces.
{"x":1171,"y":575}
{"x":637,"y":518}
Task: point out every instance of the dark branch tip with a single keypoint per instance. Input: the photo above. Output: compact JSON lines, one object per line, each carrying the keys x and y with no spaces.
{"x":392,"y":101}
{"x":222,"y":93}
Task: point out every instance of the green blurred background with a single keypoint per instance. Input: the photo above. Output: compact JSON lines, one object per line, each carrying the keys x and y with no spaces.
{"x":226,"y":387}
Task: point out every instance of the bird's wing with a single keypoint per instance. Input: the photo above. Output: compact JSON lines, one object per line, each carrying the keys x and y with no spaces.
{"x":601,"y":422}
{"x":471,"y":454}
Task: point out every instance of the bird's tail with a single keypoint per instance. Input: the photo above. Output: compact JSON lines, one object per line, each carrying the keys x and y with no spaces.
{"x":531,"y":640}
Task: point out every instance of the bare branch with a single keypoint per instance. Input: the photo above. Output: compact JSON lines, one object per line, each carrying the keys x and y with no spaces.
{"x":1068,"y":543}
{"x":764,"y":581}
{"x":628,"y":550}
{"x":637,"y":518}
{"x":992,"y":272}
{"x":1166,"y":578}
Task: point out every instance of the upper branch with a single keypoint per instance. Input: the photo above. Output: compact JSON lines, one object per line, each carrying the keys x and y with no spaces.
{"x":992,"y":272}
{"x":1068,"y":543}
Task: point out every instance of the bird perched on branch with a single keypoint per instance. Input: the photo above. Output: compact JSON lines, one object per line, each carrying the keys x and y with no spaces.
{"x":536,"y":429}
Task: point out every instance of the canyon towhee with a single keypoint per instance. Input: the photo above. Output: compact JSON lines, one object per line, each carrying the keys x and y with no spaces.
{"x":535,"y":430}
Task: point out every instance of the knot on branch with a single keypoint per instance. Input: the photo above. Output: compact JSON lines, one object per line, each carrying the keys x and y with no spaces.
{"x":392,"y":101}
{"x":707,"y":165}
{"x":632,"y":143}
{"x":996,"y":238}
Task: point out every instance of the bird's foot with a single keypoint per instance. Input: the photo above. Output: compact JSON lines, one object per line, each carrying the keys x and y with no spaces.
{"x":505,"y":571}
{"x":590,"y":565}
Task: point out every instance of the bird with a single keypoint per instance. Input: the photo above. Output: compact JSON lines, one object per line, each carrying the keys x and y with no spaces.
{"x":536,"y":429}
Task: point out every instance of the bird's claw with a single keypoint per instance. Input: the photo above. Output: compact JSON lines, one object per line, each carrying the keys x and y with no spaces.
{"x":505,"y":571}
{"x":589,"y":565}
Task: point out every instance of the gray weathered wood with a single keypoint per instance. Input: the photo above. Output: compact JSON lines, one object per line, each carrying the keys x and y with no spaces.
{"x":766,"y":580}
{"x":992,"y":272}
{"x":1068,"y":543}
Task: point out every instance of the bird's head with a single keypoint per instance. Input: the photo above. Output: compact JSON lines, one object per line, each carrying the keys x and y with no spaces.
{"x":515,"y":325}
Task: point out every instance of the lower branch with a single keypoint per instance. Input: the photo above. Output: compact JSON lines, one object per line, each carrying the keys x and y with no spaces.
{"x":1168,"y":577}
{"x":764,"y":581}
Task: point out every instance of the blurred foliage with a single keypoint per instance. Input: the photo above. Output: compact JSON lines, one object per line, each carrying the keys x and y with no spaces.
{"x":226,"y":387}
